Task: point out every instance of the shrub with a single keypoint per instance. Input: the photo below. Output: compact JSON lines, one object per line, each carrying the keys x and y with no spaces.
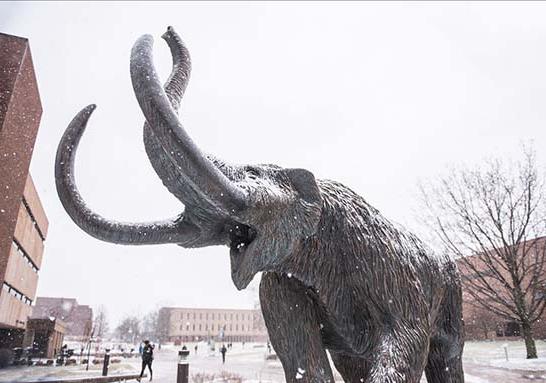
{"x":6,"y":357}
{"x":230,"y":377}
{"x":202,"y":377}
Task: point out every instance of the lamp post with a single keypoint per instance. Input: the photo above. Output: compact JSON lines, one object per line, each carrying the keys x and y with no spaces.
{"x":106,"y":362}
{"x":92,"y":332}
{"x":91,"y":340}
{"x":183,"y":366}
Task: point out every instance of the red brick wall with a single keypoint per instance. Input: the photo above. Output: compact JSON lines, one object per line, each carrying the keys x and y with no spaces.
{"x":481,"y":323}
{"x":20,"y":113}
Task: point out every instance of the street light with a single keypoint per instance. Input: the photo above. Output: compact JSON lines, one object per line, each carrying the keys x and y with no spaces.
{"x":183,"y":366}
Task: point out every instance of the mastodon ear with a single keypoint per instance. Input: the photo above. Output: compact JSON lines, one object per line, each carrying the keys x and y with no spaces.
{"x":305,"y":184}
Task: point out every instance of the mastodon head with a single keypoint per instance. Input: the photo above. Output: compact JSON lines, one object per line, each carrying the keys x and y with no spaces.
{"x":262,"y":212}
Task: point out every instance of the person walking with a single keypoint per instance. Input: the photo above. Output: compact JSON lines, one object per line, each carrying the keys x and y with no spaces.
{"x":147,"y":358}
{"x":223,"y":350}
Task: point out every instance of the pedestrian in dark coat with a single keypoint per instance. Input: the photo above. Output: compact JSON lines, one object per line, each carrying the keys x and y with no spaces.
{"x":223,"y":350}
{"x":147,"y":358}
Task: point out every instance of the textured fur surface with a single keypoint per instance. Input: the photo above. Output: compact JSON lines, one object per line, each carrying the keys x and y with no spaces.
{"x":370,"y":293}
{"x":338,"y":276}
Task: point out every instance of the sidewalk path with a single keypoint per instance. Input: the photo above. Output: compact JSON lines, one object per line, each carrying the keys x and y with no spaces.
{"x":251,"y":365}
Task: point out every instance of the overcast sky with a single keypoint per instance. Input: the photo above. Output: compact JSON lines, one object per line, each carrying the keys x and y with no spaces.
{"x":376,"y":96}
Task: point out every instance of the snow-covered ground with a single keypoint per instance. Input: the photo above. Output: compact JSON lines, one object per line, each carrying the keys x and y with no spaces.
{"x":493,"y":354}
{"x":18,"y":373}
{"x":485,"y":362}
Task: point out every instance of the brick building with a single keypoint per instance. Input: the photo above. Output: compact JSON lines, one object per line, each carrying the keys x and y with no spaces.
{"x":481,"y":323}
{"x":23,"y":223}
{"x":45,"y":336}
{"x":77,"y":319}
{"x":191,"y":324}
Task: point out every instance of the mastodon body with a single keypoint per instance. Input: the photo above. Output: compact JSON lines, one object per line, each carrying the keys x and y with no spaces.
{"x":337,"y":275}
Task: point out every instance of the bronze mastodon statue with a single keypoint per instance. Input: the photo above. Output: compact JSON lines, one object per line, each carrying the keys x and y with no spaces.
{"x":338,"y":276}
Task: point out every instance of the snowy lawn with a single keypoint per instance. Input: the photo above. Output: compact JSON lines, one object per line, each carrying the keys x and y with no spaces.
{"x":20,"y":373}
{"x":493,"y":354}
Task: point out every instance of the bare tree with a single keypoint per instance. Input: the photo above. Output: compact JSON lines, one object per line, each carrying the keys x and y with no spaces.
{"x":163,"y":323}
{"x":150,"y":326}
{"x":493,"y":218}
{"x":129,"y":329}
{"x":101,"y":323}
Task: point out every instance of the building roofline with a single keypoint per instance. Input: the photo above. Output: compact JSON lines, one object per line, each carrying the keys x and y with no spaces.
{"x":205,"y":308}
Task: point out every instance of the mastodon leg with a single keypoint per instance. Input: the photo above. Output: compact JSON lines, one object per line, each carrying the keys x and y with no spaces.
{"x":400,"y":356}
{"x":294,"y":329}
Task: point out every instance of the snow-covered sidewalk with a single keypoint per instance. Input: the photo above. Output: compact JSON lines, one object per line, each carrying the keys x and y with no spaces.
{"x":484,"y":362}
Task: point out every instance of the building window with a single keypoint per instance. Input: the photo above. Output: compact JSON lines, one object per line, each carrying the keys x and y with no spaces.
{"x":34,"y":223}
{"x":512,"y":329}
{"x":24,"y":254}
{"x":16,"y":293}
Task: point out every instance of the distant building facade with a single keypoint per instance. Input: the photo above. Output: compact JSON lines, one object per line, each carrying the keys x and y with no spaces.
{"x":23,"y":222}
{"x":228,"y":325}
{"x":481,"y":323}
{"x":77,"y":319}
{"x":45,"y":336}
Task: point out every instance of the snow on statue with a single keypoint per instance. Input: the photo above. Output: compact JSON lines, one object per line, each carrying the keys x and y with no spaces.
{"x":337,"y":275}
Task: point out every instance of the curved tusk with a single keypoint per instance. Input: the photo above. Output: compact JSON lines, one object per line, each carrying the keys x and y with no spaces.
{"x":168,"y":171}
{"x":175,"y":230}
{"x":178,"y":146}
